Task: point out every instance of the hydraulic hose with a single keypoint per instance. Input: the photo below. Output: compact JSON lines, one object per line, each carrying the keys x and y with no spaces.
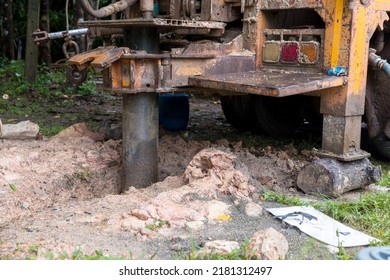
{"x":107,"y":10}
{"x":386,"y":68}
{"x":377,"y":62}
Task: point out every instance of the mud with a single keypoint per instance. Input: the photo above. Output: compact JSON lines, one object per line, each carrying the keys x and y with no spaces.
{"x":61,"y":194}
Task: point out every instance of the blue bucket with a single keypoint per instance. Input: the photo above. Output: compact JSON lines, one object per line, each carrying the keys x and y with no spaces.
{"x":374,"y":253}
{"x":174,"y":111}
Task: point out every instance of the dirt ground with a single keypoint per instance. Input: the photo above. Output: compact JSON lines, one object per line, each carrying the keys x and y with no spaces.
{"x":58,"y":194}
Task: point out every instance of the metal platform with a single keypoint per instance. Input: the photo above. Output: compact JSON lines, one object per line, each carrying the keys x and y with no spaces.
{"x":266,"y":82}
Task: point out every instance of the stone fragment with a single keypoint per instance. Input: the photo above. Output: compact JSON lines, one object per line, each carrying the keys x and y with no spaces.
{"x":140,"y":214}
{"x":265,"y":180}
{"x":195,"y":225}
{"x":20,"y":131}
{"x":133,"y":224}
{"x":253,"y":209}
{"x":222,"y":247}
{"x":212,"y":169}
{"x":216,"y":208}
{"x":79,"y":130}
{"x":377,"y":188}
{"x":267,"y":244}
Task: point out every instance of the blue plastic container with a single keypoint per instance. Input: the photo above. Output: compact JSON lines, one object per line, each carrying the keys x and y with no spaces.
{"x":374,"y":253}
{"x":174,"y":111}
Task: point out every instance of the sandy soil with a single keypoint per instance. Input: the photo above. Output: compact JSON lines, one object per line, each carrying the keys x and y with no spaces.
{"x":62,"y":193}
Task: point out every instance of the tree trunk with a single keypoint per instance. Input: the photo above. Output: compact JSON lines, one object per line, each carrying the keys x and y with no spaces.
{"x":44,"y":25}
{"x":31,"y":49}
{"x":78,"y":14}
{"x":330,"y":177}
{"x":8,"y":30}
{"x":2,"y":49}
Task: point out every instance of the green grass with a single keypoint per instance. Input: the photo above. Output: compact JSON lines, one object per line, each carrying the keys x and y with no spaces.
{"x":385,"y":178}
{"x":242,"y":253}
{"x":48,"y":101}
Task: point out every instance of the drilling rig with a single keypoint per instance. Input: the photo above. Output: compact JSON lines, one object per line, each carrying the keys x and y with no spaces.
{"x":275,"y":64}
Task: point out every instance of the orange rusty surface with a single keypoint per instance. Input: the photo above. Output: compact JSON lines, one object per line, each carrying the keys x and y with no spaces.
{"x":99,"y":58}
{"x":290,"y":4}
{"x":269,"y":83}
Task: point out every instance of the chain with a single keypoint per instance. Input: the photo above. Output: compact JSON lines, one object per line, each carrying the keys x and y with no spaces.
{"x":69,"y":44}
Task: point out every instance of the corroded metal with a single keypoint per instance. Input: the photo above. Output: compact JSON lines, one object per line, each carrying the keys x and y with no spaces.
{"x":132,"y":72}
{"x":198,"y":54}
{"x":269,"y":83}
{"x":212,"y":27}
{"x":291,"y":4}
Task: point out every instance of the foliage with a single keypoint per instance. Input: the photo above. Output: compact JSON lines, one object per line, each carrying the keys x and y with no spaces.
{"x":43,"y":101}
{"x":12,"y":187}
{"x":156,"y":225}
{"x":241,"y":253}
{"x":385,"y":168}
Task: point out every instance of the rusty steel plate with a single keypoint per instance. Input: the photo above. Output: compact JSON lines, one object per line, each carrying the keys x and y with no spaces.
{"x":270,"y":83}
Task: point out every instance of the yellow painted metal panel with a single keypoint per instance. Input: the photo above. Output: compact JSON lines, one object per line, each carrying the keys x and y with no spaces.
{"x":338,"y":17}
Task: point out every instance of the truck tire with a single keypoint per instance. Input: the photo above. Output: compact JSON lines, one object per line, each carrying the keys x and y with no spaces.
{"x":377,"y":113}
{"x":278,"y":116}
{"x":240,"y":113}
{"x":380,"y":147}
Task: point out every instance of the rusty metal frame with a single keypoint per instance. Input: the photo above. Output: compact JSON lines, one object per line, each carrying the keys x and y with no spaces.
{"x":349,"y":26}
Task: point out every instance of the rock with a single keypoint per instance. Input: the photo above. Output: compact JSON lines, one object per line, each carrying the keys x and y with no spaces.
{"x":282,"y":155}
{"x":267,"y":244}
{"x":146,"y":232}
{"x":290,"y":164}
{"x":133,"y":224}
{"x":221,"y":247}
{"x":111,"y":131}
{"x":376,"y":188}
{"x":265,"y":180}
{"x":291,"y":150}
{"x":20,"y":131}
{"x":140,"y":214}
{"x":306,"y":153}
{"x":79,"y":130}
{"x":212,"y":170}
{"x":253,"y":209}
{"x":216,"y":208}
{"x":195,"y":225}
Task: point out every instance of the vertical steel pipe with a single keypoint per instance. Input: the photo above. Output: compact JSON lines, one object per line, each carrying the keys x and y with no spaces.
{"x":140,"y":121}
{"x":140,"y":139}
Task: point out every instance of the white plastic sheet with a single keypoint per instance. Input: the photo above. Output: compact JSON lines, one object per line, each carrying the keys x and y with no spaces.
{"x":322,"y":227}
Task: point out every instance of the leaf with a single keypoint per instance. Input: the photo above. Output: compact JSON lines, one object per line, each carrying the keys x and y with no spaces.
{"x":13,"y":187}
{"x":223,"y":217}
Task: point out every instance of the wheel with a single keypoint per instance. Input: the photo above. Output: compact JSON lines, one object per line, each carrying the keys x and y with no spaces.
{"x":380,"y":147}
{"x":278,"y":116}
{"x":377,"y":114}
{"x":239,"y":111}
